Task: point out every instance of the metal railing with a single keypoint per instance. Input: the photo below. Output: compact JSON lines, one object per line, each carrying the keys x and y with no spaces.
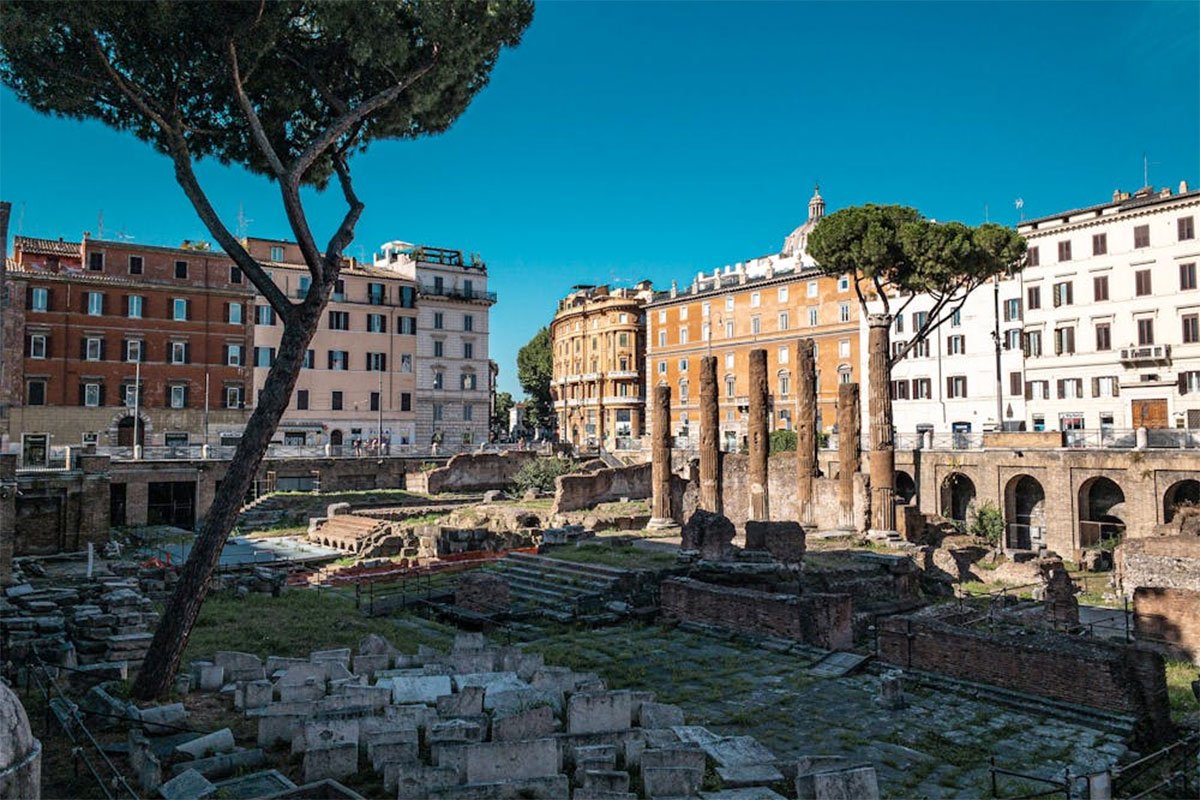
{"x":456,"y":292}
{"x":1057,"y":785}
{"x":1169,"y":772}
{"x":1095,"y":533}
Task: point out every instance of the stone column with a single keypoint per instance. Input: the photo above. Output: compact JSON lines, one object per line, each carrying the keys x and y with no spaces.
{"x":883,"y":452}
{"x":849,"y":448}
{"x":710,"y":435}
{"x":806,"y":429}
{"x":8,"y":515}
{"x":660,"y":461}
{"x":94,"y":521}
{"x":760,"y":506}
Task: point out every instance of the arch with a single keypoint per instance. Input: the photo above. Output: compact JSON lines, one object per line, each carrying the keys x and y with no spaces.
{"x":1101,"y":507}
{"x":1181,"y":493}
{"x":1024,"y":513}
{"x":335,"y":437}
{"x":127,"y":426}
{"x":958,"y":497}
{"x":906,"y":488}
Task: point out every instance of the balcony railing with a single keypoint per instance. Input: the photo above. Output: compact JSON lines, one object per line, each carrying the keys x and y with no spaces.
{"x":1146,"y":353}
{"x":622,"y":373}
{"x":457,"y":292}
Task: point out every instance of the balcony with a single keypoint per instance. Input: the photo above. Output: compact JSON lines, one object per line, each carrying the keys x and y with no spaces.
{"x":1147,"y":354}
{"x":626,"y":400}
{"x":617,"y":374}
{"x":590,"y":376}
{"x":456,"y":293}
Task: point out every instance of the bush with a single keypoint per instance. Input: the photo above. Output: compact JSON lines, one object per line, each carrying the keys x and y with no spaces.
{"x":540,"y":473}
{"x":782,"y":441}
{"x":987,"y":523}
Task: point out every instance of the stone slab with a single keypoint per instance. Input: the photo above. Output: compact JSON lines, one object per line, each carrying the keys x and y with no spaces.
{"x":257,"y":784}
{"x":190,"y":785}
{"x":335,"y":761}
{"x":550,"y":787}
{"x":852,"y":783}
{"x":419,"y":689}
{"x":749,"y":793}
{"x":596,"y":712}
{"x":659,"y":715}
{"x":533,"y":723}
{"x":671,"y":781}
{"x":489,"y":762}
{"x":220,"y":766}
{"x":217,"y":742}
{"x":749,"y":775}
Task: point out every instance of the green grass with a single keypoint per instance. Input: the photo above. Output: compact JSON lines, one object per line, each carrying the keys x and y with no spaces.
{"x":1180,"y":675}
{"x":293,"y":624}
{"x":625,"y":557}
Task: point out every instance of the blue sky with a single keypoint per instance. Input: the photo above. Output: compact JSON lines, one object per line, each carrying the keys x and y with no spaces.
{"x":650,"y":140}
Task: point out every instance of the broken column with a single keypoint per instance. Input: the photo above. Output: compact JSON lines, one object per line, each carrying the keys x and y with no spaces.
{"x":710,"y":431}
{"x":759,"y":436}
{"x":849,"y":452}
{"x":806,"y":429}
{"x":660,"y":460}
{"x":883,"y":446}
{"x":20,"y":753}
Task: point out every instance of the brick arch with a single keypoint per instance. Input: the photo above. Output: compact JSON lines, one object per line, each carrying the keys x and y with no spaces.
{"x":1101,"y":504}
{"x":906,"y":487}
{"x":1184,"y":491}
{"x":145,"y":424}
{"x":957,"y":495}
{"x":1024,"y":512}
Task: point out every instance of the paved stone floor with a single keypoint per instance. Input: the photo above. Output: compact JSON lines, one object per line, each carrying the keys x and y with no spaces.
{"x":937,"y":747}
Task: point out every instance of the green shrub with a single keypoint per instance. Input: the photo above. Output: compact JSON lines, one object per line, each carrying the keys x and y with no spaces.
{"x":782,"y":441}
{"x":540,"y":473}
{"x":987,"y":523}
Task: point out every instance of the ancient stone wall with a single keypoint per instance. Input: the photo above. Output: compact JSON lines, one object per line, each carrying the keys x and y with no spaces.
{"x":61,"y":510}
{"x":1171,"y":617}
{"x":823,"y":620}
{"x":587,"y":489}
{"x":474,"y":472}
{"x":1125,"y":680}
{"x":826,"y":508}
{"x":1168,"y":562}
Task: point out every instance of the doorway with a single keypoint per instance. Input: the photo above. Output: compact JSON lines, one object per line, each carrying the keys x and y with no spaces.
{"x":125,"y":432}
{"x":1149,"y":413}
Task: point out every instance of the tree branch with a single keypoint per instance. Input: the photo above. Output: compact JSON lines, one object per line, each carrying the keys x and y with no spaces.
{"x":256,"y":128}
{"x":887,"y":307}
{"x":345,"y":231}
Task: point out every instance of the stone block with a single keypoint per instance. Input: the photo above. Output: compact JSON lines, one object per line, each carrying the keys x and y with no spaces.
{"x":163,"y":719}
{"x":533,"y":723}
{"x":467,"y":702}
{"x":256,"y":694}
{"x":190,"y":785}
{"x":671,"y":781}
{"x":340,"y":656}
{"x":373,"y":645}
{"x":709,"y":534}
{"x":373,"y":696}
{"x":490,"y":681}
{"x":750,"y":793}
{"x":144,"y":762}
{"x":852,"y":783}
{"x":277,"y":722}
{"x":597,"y":712}
{"x":370,"y":664}
{"x":506,"y":761}
{"x":473,"y":661}
{"x":419,"y":717}
{"x":325,"y":733}
{"x":457,"y":731}
{"x":419,"y":689}
{"x":281,"y":664}
{"x":749,"y":775}
{"x":240,"y":666}
{"x":335,"y":761}
{"x":265,"y":783}
{"x":680,"y":757}
{"x":465,"y":641}
{"x":382,"y":753}
{"x":217,"y":742}
{"x":225,"y":764}
{"x":606,"y":780}
{"x":660,"y":715}
{"x":309,"y":691}
{"x":211,"y":677}
{"x":784,"y":540}
{"x":561,"y":679}
{"x":417,"y":783}
{"x":549,"y":787}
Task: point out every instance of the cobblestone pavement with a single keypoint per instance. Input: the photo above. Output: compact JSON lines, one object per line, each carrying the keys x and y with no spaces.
{"x":937,"y":747}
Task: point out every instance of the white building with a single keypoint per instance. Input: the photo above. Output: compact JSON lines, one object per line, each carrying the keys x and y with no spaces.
{"x":948,"y":383}
{"x":1112,"y":314}
{"x":452,"y":396}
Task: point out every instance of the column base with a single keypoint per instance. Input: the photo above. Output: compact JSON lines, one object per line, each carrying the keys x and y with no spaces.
{"x":876,"y":535}
{"x":661,"y":524}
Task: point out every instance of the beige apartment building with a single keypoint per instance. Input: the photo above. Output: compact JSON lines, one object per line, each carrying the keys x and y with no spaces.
{"x":359,"y":377}
{"x":598,"y":384}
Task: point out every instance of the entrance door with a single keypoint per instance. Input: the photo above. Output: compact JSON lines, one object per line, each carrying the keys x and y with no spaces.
{"x":1149,"y":413}
{"x":125,"y":432}
{"x":35,"y":449}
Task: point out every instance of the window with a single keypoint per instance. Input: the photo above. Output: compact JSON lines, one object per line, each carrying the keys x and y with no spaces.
{"x":683,"y":391}
{"x":898,"y":349}
{"x":276,"y":253}
{"x":133,"y":350}
{"x":91,"y":395}
{"x":900,"y":390}
{"x":785,"y":383}
{"x":177,"y":396}
{"x":683,"y":337}
{"x":1064,"y":294}
{"x":956,"y":386}
{"x":179,"y":309}
{"x":469,"y":322}
{"x":662,"y":368}
{"x":783,"y":321}
{"x":1103,"y":336}
{"x":134,"y":306}
{"x":1105,"y":387}
{"x":338,"y":360}
{"x":439,"y":320}
{"x":135,"y":265}
{"x":95,"y":303}
{"x":1064,"y":251}
{"x":1064,"y":341}
{"x":235,"y":314}
{"x":131,"y":392}
{"x":1189,"y":382}
{"x":1014,"y":384}
{"x":662,"y":339}
{"x":439,"y":348}
{"x":39,"y":299}
{"x":683,"y":314}
{"x":264,"y":356}
{"x":1033,"y":259}
{"x":93,"y":349}
{"x":264,"y":315}
{"x":1186,"y":227}
{"x":405,"y":401}
{"x":755,"y":325}
{"x":406,"y":362}
{"x":956,"y":345}
{"x":922,"y":388}
{"x":1033,"y":344}
{"x":1145,"y":329}
{"x":728,"y":306}
{"x":730,"y":386}
{"x":1034,"y":297}
{"x":1037,"y":390}
{"x":1070,"y":388}
{"x":1191,"y":328}
{"x":339,"y":320}
{"x":782,"y":294}
{"x":438,"y":412}
{"x":1099,"y":244}
{"x":468,"y":412}
{"x":96,"y":262}
{"x":812,"y":289}
{"x":920,"y":349}
{"x":755,"y":301}
{"x":467,"y":381}
{"x":683,"y":365}
{"x":844,"y":283}
{"x":181,"y":269}
{"x":1141,"y":282}
{"x":179,"y":353}
{"x":233,"y":355}
{"x":843,"y":348}
{"x":729,"y":329}
{"x":407,"y":326}
{"x":1141,"y":236}
{"x":376,"y":323}
{"x":302,"y":287}
{"x":1012,"y":339}
{"x":335,"y":401}
{"x":35,"y":393}
{"x":623,"y":339}
{"x":1012,"y":309}
{"x":812,"y":317}
{"x":310,"y":359}
{"x":374,"y":401}
{"x":783,"y":355}
{"x":844,"y":374}
{"x":1187,"y":276}
{"x":439,"y":379}
{"x":844,"y":312}
{"x":37,"y":345}
{"x":235,"y":274}
{"x":729,"y":361}
{"x":376,"y":362}
{"x":899,"y":323}
{"x":956,"y":318}
{"x":1100,"y":288}
{"x":918,"y":320}
{"x":302,"y":400}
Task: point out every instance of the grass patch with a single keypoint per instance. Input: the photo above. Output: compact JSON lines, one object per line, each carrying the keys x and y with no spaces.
{"x":1180,"y":675}
{"x":293,"y":624}
{"x":624,"y":557}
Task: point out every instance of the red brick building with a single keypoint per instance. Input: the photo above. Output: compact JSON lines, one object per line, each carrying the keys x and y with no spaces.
{"x":88,"y":313}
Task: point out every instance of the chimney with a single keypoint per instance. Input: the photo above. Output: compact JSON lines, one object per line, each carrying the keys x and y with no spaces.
{"x":674,"y":289}
{"x":1183,"y":187}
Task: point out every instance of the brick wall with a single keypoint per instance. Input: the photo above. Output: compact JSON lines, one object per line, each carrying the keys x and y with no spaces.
{"x":1125,"y":680}
{"x":61,"y":511}
{"x":1168,"y":562}
{"x":1171,"y":616}
{"x":473,"y":472}
{"x":823,"y":620}
{"x":585,"y":490}
{"x":781,"y":472}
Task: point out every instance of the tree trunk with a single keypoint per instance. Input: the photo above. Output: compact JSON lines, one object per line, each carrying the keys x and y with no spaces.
{"x":806,"y":429}
{"x":710,"y":432}
{"x":760,"y":503}
{"x":171,"y":636}
{"x":883,"y":453}
{"x":660,"y":460}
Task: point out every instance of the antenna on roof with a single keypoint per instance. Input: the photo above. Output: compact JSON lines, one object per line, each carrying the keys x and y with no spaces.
{"x":100,"y":224}
{"x":1020,"y":204}
{"x":124,"y":235}
{"x":243,"y":223}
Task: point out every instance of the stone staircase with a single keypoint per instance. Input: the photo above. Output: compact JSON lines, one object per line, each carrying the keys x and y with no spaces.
{"x":347,"y":532}
{"x":264,"y":511}
{"x":562,"y":590}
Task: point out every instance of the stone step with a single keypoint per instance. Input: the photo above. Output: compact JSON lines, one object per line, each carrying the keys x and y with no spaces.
{"x":574,"y":580}
{"x":559,"y":565}
{"x":546,"y":593}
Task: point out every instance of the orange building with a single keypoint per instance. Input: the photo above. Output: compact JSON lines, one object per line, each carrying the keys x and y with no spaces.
{"x":770,"y":303}
{"x":598,"y":341}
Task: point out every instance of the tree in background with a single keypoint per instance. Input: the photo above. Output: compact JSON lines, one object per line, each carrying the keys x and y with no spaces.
{"x":288,"y":90}
{"x":500,"y":408}
{"x":535,"y":369}
{"x":893,"y":254}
